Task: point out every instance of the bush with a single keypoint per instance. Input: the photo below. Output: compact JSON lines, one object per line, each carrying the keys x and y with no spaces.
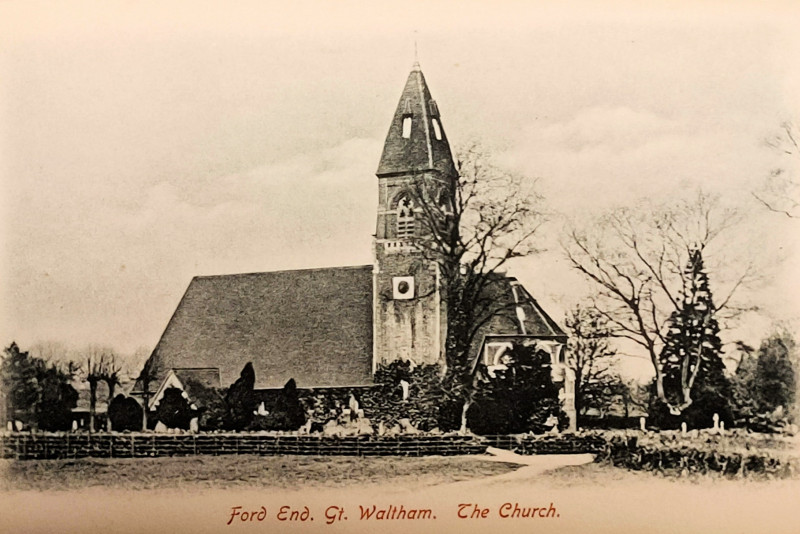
{"x":173,"y":409}
{"x":286,"y":414}
{"x":700,"y":414}
{"x":58,"y":397}
{"x":124,"y":413}
{"x":35,"y":391}
{"x":520,"y":398}
{"x":385,"y":404}
{"x":241,"y":400}
{"x":212,"y":409}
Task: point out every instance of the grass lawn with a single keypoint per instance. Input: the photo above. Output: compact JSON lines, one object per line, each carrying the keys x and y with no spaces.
{"x":243,"y":471}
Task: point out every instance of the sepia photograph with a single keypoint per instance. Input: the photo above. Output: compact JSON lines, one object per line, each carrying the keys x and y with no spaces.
{"x":409,"y":267}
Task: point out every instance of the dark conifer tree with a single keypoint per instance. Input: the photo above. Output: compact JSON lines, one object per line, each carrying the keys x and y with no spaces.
{"x":241,"y":400}
{"x":691,"y":361}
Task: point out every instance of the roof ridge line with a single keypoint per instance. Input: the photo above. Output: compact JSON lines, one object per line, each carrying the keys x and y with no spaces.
{"x":309,"y":269}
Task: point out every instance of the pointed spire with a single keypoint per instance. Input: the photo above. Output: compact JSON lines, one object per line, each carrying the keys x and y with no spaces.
{"x":416,"y":141}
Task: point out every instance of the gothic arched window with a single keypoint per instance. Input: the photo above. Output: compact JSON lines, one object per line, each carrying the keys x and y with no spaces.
{"x":405,"y":218}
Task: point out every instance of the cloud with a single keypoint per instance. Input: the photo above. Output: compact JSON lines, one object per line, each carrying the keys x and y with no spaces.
{"x":122,"y":266}
{"x":605,"y":156}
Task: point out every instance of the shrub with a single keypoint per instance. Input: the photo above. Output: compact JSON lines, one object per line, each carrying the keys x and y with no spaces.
{"x":212,"y":408}
{"x":520,"y":398}
{"x":385,"y":403}
{"x":286,"y":414}
{"x":240,"y":400}
{"x":124,"y":413}
{"x":58,"y":397}
{"x":173,"y":409}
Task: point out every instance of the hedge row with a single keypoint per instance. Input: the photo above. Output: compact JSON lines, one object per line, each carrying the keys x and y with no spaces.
{"x":628,"y":453}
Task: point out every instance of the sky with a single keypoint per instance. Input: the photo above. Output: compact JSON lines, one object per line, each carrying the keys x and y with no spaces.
{"x":147,"y":143}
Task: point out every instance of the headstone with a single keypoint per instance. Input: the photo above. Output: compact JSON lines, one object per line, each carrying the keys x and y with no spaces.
{"x":194,"y":425}
{"x":161,"y":427}
{"x":716,"y":422}
{"x":407,"y":427}
{"x":74,"y":425}
{"x":352,"y":403}
{"x":331,"y":428}
{"x":722,"y":427}
{"x":364,"y":427}
{"x":683,"y":428}
{"x":10,"y":426}
{"x":552,"y":423}
{"x":18,"y":426}
{"x":642,"y":422}
{"x":404,"y":385}
{"x":262,"y":410}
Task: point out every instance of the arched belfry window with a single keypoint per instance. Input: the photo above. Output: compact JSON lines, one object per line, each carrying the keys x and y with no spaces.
{"x":405,"y":218}
{"x":407,"y":114}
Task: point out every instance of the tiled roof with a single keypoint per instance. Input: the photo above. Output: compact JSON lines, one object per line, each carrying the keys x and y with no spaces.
{"x":423,"y":149}
{"x":518,"y":313}
{"x":312,"y":325}
{"x":197,"y":382}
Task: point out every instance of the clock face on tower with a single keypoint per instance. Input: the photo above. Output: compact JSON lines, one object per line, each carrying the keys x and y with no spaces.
{"x":403,"y":287}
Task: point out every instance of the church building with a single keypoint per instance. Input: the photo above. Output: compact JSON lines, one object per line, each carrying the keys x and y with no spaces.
{"x":333,"y":327}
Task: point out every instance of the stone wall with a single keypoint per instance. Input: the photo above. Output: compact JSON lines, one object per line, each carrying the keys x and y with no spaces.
{"x":548,"y":444}
{"x":25,"y":446}
{"x":28,"y":446}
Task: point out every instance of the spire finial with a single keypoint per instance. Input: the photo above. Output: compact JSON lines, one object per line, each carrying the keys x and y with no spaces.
{"x":416,"y":57}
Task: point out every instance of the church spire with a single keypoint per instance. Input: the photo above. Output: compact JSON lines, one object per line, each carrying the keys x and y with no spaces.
{"x":416,"y":141}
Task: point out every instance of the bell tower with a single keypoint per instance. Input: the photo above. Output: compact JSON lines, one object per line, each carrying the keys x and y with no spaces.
{"x":408,"y":317}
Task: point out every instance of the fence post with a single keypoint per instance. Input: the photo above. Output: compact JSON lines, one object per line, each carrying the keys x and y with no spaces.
{"x":133,"y":446}
{"x":194,"y":444}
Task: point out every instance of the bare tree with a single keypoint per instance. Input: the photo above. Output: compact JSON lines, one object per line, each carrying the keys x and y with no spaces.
{"x":472,"y":225}
{"x":59,"y":355}
{"x":781,"y":191}
{"x":111,"y":374}
{"x":636,"y":259}
{"x":592,"y":360}
{"x":634,"y":396}
{"x":145,"y":379}
{"x":99,"y":366}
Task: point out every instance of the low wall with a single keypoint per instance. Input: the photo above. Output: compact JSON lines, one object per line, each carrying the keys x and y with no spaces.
{"x":31,"y":446}
{"x":27,"y":446}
